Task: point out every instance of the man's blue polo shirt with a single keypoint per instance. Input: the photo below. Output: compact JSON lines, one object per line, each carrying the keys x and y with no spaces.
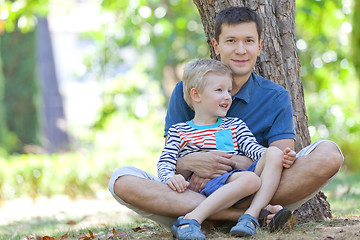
{"x":263,"y":105}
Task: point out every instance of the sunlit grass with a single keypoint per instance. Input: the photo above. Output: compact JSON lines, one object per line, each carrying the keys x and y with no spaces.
{"x":344,"y":194}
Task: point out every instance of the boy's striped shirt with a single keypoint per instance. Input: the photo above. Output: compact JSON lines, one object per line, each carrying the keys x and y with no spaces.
{"x":186,"y":138}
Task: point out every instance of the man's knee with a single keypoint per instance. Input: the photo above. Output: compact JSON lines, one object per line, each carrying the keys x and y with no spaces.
{"x":120,"y":185}
{"x":332,"y":157}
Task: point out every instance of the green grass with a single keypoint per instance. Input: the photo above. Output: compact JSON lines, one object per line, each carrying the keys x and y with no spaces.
{"x":343,"y":195}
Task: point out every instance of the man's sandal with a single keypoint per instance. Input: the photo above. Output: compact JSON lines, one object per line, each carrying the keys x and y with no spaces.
{"x":246,"y":226}
{"x":187,"y":229}
{"x":279,"y":220}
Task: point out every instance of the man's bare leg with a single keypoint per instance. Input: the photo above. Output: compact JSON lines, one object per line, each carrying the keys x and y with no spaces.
{"x":155,"y":197}
{"x":308,"y":174}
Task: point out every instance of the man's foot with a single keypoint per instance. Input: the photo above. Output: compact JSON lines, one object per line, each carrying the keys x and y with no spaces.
{"x":274,"y":217}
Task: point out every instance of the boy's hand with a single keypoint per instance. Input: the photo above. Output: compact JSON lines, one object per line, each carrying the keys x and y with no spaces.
{"x":289,"y":157}
{"x":178,"y":183}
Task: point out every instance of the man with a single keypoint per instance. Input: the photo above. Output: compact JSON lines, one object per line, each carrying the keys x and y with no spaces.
{"x":266,"y":109}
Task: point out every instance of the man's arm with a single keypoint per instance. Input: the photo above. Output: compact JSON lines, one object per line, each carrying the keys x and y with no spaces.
{"x":284,"y":143}
{"x":206,"y":164}
{"x":202,"y":164}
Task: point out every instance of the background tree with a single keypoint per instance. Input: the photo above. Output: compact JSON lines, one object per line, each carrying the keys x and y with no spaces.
{"x":278,"y":62}
{"x":55,"y":137}
{"x":21,"y":87}
{"x":34,"y":108}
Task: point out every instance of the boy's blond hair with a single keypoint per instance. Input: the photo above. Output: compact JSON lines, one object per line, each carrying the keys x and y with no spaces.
{"x":194,"y":73}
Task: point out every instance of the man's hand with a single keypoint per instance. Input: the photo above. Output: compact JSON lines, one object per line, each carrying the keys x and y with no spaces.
{"x":178,"y":183}
{"x":289,"y":157}
{"x":241,"y":162}
{"x":206,"y":164}
{"x":197,"y":183}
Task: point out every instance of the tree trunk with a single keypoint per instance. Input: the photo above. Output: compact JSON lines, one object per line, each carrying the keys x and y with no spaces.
{"x":278,"y":62}
{"x":54,"y":123}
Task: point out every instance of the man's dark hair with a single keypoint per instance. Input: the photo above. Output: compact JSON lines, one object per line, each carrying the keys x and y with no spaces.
{"x":236,"y":15}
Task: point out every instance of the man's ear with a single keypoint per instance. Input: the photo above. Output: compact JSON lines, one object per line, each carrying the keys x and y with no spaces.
{"x":195,"y":95}
{"x":215,"y":46}
{"x":260,"y":46}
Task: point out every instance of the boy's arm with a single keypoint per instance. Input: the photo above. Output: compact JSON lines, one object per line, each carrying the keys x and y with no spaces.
{"x":166,"y":165}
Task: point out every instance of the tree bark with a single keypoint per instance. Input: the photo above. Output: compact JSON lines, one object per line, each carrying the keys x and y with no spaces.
{"x":278,"y":62}
{"x":54,"y":123}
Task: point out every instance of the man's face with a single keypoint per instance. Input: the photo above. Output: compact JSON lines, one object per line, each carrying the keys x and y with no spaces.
{"x":239,"y":47}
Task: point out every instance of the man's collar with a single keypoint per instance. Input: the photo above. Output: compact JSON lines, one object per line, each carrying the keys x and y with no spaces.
{"x":246,"y":89}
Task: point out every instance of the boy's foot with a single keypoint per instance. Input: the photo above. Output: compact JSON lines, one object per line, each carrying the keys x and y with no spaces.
{"x":187,"y":229}
{"x":245,"y":227}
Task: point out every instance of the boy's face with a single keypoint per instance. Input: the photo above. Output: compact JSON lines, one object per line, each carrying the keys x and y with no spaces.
{"x":215,"y":97}
{"x":239,"y":47}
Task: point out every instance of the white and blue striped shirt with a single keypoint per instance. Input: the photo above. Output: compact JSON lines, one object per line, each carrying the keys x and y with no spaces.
{"x":228,"y":134}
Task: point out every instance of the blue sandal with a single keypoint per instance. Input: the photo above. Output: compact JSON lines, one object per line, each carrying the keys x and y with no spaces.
{"x":192,"y":231}
{"x":245,"y":227}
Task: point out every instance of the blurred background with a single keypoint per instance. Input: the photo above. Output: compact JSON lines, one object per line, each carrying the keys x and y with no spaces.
{"x":84,"y":86}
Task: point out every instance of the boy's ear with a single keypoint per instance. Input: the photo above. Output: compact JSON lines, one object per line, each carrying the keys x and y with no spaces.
{"x":195,"y":95}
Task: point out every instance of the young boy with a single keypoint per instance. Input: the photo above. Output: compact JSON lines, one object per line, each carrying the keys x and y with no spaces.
{"x":207,"y":90}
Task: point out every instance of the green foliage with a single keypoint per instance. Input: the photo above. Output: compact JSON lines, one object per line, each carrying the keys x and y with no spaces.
{"x":22,"y":93}
{"x":330,"y":85}
{"x":356,"y":37}
{"x":159,"y":34}
{"x":21,"y":14}
{"x":123,"y":142}
{"x":3,"y":128}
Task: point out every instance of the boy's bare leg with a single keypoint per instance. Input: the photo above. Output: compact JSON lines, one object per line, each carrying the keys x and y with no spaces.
{"x":157,"y":198}
{"x":238,"y":186}
{"x":269,"y":169}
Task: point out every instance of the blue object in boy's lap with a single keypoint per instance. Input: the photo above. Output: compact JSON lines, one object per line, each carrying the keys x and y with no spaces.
{"x":220,"y":181}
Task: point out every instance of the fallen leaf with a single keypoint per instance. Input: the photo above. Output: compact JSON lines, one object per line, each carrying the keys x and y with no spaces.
{"x":114,"y":231}
{"x":47,"y":238}
{"x":91,"y":234}
{"x":291,"y":223}
{"x":63,"y":237}
{"x":83,"y":237}
{"x":140,"y":229}
{"x":71,"y":222}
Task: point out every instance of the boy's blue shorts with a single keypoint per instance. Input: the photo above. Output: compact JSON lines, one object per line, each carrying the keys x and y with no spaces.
{"x":216,"y":183}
